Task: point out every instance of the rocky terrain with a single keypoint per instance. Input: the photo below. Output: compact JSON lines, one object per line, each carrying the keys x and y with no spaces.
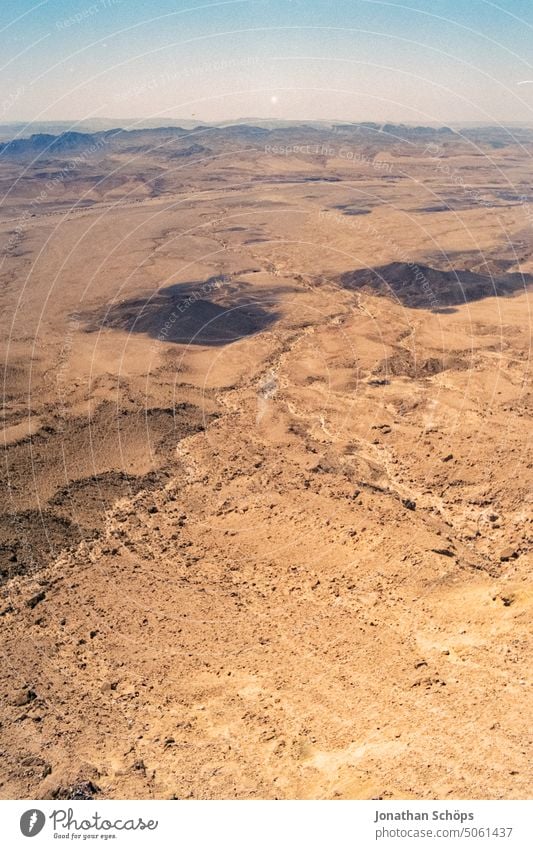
{"x":266,"y":463}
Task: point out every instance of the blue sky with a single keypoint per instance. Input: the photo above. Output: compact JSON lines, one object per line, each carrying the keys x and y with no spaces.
{"x":422,"y":61}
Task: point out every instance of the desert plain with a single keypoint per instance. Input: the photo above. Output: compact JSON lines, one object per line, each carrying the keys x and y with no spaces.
{"x":266,"y":521}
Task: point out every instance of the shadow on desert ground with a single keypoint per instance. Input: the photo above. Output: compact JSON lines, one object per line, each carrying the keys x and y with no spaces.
{"x":425,"y":287}
{"x":184,"y":313}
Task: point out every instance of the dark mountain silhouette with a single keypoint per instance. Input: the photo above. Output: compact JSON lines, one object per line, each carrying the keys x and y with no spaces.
{"x":42,"y":142}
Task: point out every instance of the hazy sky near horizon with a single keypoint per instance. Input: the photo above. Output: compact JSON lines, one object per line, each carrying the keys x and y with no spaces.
{"x":422,"y":61}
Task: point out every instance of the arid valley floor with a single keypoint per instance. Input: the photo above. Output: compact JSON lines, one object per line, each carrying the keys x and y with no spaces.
{"x":266,"y":464}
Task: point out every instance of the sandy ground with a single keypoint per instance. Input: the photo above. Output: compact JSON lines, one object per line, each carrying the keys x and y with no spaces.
{"x":267,"y":514}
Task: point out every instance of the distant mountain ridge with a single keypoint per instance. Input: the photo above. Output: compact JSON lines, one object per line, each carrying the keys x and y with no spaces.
{"x":386,"y":135}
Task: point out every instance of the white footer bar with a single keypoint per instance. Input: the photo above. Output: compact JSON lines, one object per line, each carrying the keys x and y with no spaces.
{"x":266,"y":824}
